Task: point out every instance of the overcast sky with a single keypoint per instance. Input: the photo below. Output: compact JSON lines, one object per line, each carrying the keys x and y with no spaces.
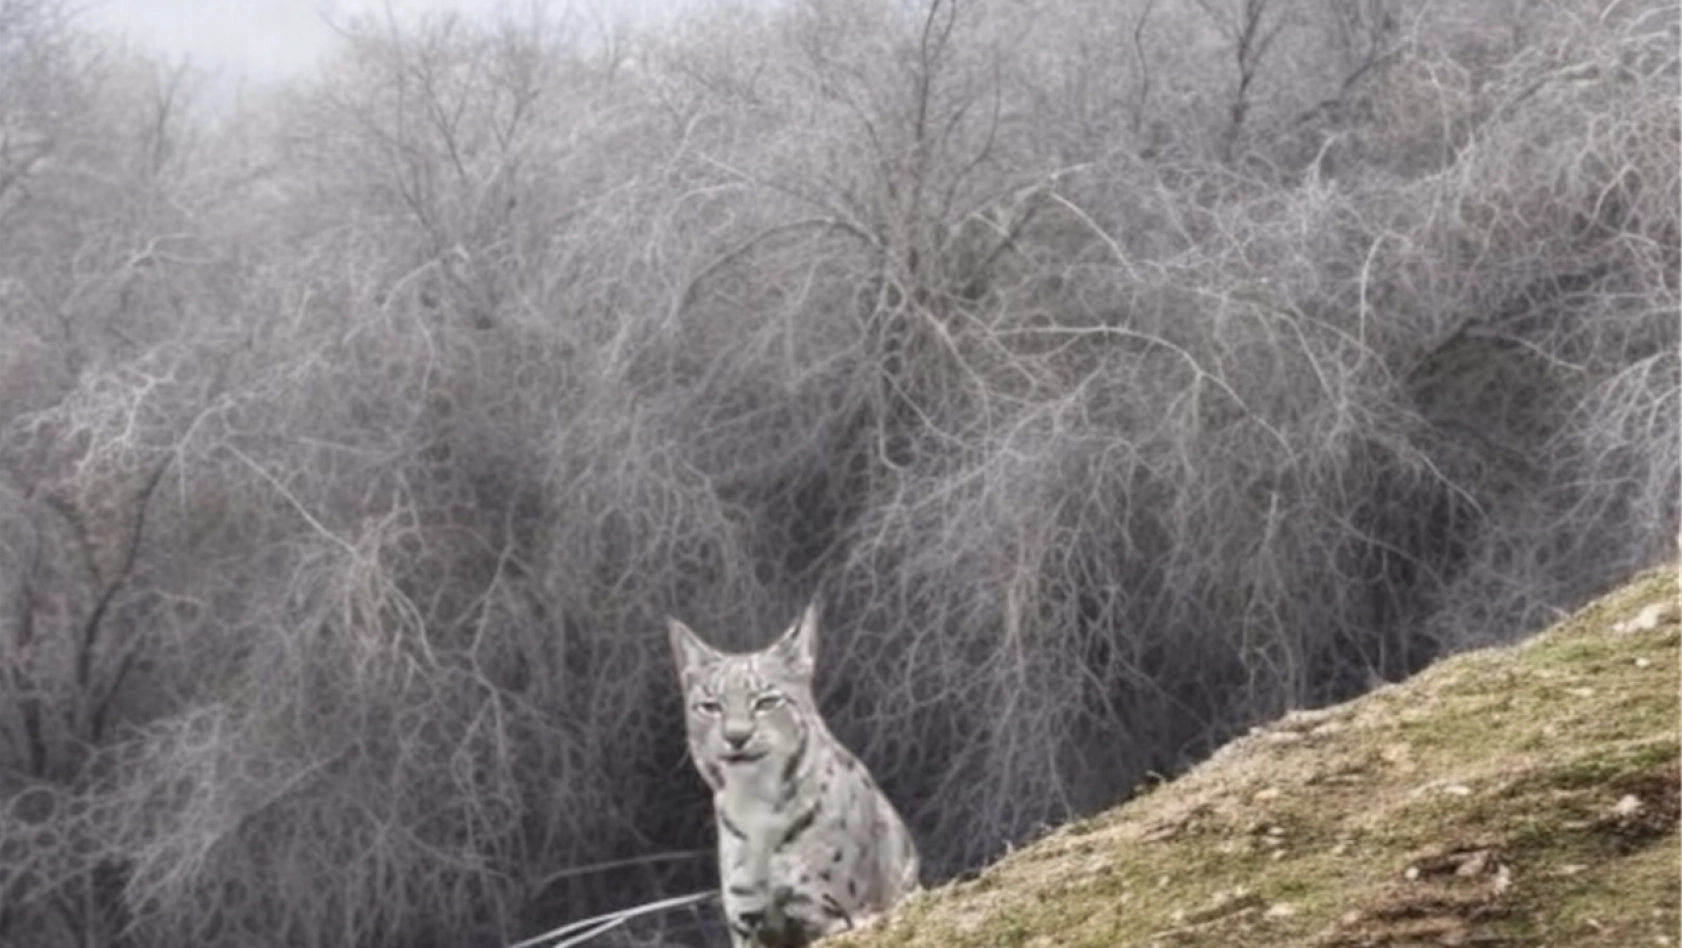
{"x":276,"y":39}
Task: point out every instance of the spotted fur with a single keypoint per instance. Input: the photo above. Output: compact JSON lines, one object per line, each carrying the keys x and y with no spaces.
{"x":807,"y":844}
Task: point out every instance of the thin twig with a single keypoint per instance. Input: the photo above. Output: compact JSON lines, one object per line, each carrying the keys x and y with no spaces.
{"x":597,"y":924}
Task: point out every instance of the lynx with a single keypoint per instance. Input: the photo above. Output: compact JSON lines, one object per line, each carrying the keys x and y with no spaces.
{"x":807,"y":844}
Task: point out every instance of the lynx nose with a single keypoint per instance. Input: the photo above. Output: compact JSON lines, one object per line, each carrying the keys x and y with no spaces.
{"x":737,"y":735}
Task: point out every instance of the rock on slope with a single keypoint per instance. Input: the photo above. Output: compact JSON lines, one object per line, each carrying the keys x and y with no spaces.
{"x":1525,"y":796}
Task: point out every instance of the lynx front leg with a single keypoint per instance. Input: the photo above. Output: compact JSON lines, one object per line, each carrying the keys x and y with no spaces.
{"x":741,"y":937}
{"x":744,"y":867}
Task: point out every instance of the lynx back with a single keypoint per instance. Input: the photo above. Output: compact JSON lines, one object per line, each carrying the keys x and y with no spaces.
{"x":807,"y":844}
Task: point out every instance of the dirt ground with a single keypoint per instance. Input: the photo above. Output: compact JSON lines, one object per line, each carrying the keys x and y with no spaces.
{"x":1524,"y":796}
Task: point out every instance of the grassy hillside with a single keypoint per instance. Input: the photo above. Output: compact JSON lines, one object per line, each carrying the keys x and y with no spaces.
{"x":1518,"y":796}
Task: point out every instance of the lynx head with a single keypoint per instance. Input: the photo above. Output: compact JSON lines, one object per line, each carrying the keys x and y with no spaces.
{"x":747,"y":708}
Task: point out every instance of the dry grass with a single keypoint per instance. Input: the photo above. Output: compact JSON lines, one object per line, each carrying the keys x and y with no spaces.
{"x":1516,"y":796}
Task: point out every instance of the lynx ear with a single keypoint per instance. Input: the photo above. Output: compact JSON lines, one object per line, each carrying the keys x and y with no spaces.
{"x":691,"y":652}
{"x":798,"y":648}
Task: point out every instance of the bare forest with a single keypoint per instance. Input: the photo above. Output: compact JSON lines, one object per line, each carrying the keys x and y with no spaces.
{"x":1118,"y":374}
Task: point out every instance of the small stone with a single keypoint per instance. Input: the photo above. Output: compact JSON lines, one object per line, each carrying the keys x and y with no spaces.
{"x":1457,"y":790}
{"x":1644,"y":621}
{"x":1643,"y":663}
{"x":1280,"y":910}
{"x":1475,"y":864}
{"x":1628,"y":805}
{"x":1503,"y":880}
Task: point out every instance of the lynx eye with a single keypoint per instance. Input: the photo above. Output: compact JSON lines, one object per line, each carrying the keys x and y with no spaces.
{"x":767,"y":702}
{"x":708,"y":706}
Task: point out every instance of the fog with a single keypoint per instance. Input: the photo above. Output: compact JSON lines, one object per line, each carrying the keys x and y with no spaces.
{"x":265,"y":41}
